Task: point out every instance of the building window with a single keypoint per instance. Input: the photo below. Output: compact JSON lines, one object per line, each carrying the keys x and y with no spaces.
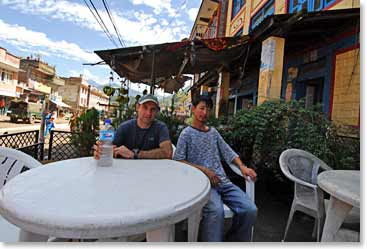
{"x":309,"y":5}
{"x":266,"y":10}
{"x":236,"y":6}
{"x":312,"y":91}
{"x":2,"y":76}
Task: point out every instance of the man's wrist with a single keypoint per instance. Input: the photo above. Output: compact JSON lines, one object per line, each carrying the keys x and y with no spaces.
{"x":136,"y":153}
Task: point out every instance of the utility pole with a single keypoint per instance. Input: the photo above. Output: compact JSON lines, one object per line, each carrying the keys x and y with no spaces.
{"x":45,"y":106}
{"x":152,"y":76}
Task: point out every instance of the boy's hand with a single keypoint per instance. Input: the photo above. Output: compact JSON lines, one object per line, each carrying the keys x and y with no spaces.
{"x":213,"y":178}
{"x":248,"y":172}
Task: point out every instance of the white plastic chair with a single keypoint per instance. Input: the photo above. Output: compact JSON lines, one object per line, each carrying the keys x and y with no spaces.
{"x":173,"y":150}
{"x":12,"y":163}
{"x":250,"y":190}
{"x":302,"y":168}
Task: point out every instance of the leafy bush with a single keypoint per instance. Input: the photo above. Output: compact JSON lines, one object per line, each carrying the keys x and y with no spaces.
{"x":127,"y":114}
{"x":174,"y":124}
{"x":261,"y":134}
{"x":86,"y":132}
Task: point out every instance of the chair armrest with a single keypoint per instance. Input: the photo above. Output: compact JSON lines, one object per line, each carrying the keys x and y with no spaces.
{"x":250,"y":184}
{"x":297,"y":180}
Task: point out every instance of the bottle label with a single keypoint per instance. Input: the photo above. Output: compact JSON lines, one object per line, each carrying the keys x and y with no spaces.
{"x":106,"y":135}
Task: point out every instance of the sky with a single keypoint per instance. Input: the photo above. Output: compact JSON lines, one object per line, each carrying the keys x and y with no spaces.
{"x":64,"y":33}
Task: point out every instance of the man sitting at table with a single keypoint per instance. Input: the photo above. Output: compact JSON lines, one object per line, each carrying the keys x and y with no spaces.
{"x":203,"y":147}
{"x":143,"y":137}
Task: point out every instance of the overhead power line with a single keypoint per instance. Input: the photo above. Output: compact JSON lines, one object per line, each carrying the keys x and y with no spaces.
{"x":113,"y":23}
{"x":100,"y":21}
{"x":184,"y":2}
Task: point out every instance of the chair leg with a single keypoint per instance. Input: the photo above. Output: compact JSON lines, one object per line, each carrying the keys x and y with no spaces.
{"x":315,"y":225}
{"x":291,"y":213}
{"x":320,"y":227}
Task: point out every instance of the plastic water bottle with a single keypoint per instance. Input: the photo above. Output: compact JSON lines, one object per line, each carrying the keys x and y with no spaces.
{"x":106,"y":136}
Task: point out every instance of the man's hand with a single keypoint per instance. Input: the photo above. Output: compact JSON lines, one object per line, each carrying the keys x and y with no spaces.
{"x":124,"y":152}
{"x":97,"y":150}
{"x":248,"y":172}
{"x":213,"y":178}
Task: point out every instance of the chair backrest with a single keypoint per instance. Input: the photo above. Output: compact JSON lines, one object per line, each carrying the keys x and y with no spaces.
{"x":300,"y":164}
{"x":14,"y":162}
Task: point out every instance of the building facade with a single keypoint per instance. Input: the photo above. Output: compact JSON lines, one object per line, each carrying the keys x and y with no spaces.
{"x":9,"y":68}
{"x":35,"y":75}
{"x":316,"y":68}
{"x":80,"y":95}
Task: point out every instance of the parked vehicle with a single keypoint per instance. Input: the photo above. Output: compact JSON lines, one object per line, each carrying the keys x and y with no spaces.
{"x":27,"y":111}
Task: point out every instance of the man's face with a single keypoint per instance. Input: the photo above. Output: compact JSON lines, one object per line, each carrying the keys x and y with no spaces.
{"x":201,"y":112}
{"x":147,"y":112}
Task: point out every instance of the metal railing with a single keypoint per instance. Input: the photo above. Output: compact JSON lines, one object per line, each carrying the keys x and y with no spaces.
{"x":61,"y":147}
{"x":26,"y":141}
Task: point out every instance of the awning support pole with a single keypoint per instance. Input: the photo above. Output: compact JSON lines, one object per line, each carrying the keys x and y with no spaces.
{"x":152,"y":76}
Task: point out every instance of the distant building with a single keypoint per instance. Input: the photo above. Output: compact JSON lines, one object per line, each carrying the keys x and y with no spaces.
{"x":9,"y":68}
{"x":76,"y":91}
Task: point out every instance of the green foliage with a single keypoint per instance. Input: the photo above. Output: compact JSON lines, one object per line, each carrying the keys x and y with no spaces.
{"x":86,"y":132}
{"x":127,"y":113}
{"x":262,"y":133}
{"x":173,"y":123}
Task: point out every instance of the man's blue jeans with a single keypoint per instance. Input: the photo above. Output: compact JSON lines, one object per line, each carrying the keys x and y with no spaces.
{"x":212,"y":223}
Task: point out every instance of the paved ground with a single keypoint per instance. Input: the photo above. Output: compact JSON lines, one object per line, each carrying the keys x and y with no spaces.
{"x":9,"y":127}
{"x":273,"y":210}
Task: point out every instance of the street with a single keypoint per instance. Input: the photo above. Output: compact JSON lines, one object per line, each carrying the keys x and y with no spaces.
{"x":7,"y":126}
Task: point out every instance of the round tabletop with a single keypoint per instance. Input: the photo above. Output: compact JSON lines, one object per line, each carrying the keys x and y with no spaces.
{"x":77,"y":199}
{"x":342,"y":184}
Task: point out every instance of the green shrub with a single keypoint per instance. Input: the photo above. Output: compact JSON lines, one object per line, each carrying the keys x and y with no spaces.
{"x":173,"y":123}
{"x":86,"y":132}
{"x":262,"y":133}
{"x":127,"y":113}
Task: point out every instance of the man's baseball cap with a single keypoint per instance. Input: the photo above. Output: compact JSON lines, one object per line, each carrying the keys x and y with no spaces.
{"x":147,"y":98}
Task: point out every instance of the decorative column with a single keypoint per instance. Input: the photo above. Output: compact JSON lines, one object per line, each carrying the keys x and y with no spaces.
{"x":271,"y":69}
{"x":222,"y":94}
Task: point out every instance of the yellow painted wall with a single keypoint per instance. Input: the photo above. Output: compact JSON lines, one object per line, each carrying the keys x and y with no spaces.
{"x":346,"y":4}
{"x":280,"y":7}
{"x":346,"y":95}
{"x":228,"y":23}
{"x":255,"y":4}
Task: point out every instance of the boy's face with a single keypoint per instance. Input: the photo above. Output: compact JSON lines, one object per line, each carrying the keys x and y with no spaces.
{"x":201,"y":112}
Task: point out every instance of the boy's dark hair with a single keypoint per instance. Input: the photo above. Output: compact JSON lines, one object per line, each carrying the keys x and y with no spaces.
{"x":203,"y":98}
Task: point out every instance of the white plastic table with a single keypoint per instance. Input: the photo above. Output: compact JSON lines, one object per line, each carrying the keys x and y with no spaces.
{"x":344,"y":189}
{"x":77,"y":199}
